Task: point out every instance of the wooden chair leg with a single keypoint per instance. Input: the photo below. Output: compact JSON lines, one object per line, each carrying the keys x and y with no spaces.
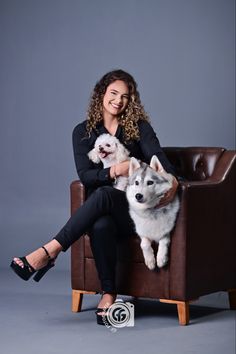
{"x":77,"y":298}
{"x":232,"y":299}
{"x":183,"y":310}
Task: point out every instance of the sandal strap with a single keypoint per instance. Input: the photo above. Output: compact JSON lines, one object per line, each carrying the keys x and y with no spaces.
{"x":26,"y":264}
{"x":46,"y":251}
{"x":101,"y":310}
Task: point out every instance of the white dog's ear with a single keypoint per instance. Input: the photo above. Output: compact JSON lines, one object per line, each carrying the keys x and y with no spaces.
{"x":133,"y":165}
{"x":93,"y":156}
{"x":122,"y":153}
{"x":156,"y":165}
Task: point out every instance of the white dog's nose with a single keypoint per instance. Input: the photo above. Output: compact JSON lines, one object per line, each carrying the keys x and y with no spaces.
{"x":139,"y":197}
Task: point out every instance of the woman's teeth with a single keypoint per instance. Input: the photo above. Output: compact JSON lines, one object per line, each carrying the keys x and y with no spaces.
{"x":115,"y":106}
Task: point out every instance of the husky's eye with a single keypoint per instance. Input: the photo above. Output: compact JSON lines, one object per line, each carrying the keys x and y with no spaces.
{"x":149,"y":183}
{"x":136,"y":183}
{"x":108,"y":145}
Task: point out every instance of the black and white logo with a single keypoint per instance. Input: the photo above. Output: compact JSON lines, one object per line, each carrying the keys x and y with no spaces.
{"x":120,"y":314}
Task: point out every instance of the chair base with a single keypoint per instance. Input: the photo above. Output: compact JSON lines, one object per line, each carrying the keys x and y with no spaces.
{"x":77,"y":299}
{"x":182,"y":306}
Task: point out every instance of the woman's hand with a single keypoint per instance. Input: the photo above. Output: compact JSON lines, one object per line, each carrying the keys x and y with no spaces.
{"x":169,"y":196}
{"x":120,"y":169}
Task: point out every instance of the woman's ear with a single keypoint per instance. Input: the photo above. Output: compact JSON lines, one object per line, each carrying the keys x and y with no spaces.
{"x":93,"y":156}
{"x":156,"y":165}
{"x":133,"y":165}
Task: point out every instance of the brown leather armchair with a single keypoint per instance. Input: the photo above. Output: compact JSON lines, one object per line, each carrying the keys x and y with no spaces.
{"x":202,"y":252}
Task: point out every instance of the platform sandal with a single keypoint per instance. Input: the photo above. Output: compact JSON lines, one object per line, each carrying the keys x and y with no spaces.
{"x":27,"y":271}
{"x":101,"y":313}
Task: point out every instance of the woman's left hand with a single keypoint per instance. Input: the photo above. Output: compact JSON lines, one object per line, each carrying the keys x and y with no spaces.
{"x":169,"y":196}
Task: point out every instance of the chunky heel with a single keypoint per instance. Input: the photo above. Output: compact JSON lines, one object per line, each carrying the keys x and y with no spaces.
{"x":40,"y":273}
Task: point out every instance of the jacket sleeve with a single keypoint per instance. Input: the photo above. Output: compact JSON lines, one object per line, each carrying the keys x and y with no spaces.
{"x":90,"y":174}
{"x":150,"y":146}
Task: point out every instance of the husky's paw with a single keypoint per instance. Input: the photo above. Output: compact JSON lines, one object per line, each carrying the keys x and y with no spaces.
{"x":150,"y":263}
{"x":162,"y":261}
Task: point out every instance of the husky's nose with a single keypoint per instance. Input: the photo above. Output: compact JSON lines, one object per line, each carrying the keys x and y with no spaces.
{"x":139,"y":197}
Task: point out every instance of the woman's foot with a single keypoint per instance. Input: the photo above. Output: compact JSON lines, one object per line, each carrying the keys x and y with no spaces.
{"x":106,"y":301}
{"x":39,"y":258}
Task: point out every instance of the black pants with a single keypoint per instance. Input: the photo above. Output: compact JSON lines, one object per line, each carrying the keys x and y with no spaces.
{"x":104,"y":215}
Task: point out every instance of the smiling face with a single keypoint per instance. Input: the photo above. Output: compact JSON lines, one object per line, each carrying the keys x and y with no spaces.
{"x":116,"y":99}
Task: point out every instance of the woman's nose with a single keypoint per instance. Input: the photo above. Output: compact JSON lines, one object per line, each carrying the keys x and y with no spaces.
{"x":118,"y":99}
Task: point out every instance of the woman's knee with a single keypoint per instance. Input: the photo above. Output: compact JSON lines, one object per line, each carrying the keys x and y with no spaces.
{"x":110,"y":197}
{"x":104,"y":225}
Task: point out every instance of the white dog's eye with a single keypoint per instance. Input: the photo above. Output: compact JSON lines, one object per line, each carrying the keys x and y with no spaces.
{"x":108,"y":145}
{"x":136,"y":183}
{"x":149,"y":183}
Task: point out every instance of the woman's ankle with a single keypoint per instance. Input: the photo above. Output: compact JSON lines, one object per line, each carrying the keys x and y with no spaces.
{"x":54,"y":248}
{"x":107,"y":300}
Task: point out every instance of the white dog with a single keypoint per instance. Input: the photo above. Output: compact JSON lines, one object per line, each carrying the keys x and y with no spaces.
{"x":146,"y":187}
{"x":110,"y":151}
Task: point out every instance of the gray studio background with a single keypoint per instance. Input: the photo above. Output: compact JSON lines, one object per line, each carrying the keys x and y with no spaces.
{"x":181,"y":52}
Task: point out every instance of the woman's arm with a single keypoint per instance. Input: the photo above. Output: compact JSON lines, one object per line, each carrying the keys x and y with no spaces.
{"x":90,"y":174}
{"x":150,"y":146}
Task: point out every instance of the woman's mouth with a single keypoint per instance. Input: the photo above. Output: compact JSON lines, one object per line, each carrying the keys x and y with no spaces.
{"x":116,"y":106}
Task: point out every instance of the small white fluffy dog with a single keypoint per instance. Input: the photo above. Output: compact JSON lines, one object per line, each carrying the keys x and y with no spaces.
{"x":146,"y":187}
{"x":108,"y":150}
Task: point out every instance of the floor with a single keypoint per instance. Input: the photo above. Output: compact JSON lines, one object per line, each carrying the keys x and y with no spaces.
{"x":35,"y":318}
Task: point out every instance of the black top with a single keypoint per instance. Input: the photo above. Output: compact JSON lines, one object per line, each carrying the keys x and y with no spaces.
{"x":94,"y":175}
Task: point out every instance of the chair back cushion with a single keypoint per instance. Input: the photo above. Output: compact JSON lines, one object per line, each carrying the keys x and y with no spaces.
{"x":194,"y":163}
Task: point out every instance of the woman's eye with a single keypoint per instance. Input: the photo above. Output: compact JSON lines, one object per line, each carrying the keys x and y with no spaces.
{"x":149,"y":183}
{"x":108,"y":145}
{"x":136,"y":183}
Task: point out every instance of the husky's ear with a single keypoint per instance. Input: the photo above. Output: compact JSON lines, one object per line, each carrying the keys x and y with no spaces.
{"x":156,"y":165}
{"x":122,"y":153}
{"x":133,"y":165}
{"x":93,"y":156}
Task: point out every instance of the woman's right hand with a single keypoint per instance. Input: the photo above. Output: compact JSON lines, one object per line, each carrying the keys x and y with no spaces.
{"x":120,"y":169}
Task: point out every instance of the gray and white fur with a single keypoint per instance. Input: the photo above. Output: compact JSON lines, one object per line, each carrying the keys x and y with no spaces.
{"x":146,"y":187}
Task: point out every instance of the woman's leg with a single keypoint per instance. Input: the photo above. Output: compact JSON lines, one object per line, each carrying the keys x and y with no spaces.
{"x":103,"y":244}
{"x":104,"y":201}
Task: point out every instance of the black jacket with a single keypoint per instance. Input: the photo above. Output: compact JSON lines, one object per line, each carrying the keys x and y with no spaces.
{"x":94,"y":175}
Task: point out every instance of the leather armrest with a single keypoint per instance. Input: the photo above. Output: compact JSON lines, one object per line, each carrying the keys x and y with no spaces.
{"x":77,"y":193}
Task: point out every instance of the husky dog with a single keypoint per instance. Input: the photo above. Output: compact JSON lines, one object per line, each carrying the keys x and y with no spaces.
{"x":146,"y":186}
{"x":110,"y":151}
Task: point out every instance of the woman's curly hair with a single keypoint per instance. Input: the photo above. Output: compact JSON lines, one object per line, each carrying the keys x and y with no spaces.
{"x":133,"y":112}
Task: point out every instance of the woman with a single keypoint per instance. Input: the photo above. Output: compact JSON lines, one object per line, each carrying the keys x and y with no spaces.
{"x":115,"y":108}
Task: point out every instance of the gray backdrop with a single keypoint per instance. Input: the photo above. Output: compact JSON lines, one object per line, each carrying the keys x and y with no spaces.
{"x":181,"y":52}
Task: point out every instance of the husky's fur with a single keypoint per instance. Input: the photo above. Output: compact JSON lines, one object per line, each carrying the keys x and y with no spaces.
{"x":110,"y":151}
{"x":146,"y":186}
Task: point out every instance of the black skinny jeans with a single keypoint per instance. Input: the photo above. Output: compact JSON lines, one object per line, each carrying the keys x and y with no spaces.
{"x":104,"y":215}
